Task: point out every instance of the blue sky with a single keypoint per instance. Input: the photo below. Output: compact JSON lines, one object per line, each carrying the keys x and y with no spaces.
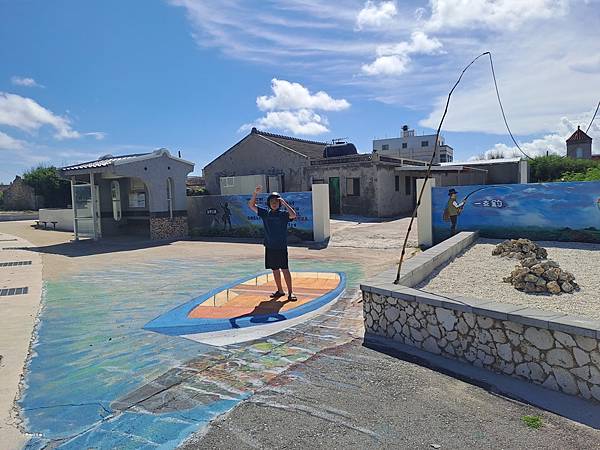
{"x":82,"y":79}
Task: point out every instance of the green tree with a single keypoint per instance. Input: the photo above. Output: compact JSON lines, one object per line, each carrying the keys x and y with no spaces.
{"x":46,"y":181}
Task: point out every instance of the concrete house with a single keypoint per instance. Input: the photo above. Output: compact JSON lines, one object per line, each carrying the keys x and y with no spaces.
{"x":143,"y":193}
{"x":276,"y":159}
{"x":411,"y":146}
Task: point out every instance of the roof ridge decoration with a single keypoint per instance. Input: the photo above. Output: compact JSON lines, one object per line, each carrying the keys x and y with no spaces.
{"x":579,"y":136}
{"x":281,"y":136}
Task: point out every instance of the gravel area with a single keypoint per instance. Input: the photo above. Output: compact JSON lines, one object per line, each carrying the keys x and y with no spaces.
{"x":476,"y":273}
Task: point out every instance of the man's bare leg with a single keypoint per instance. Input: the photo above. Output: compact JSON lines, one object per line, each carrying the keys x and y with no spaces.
{"x":288,"y":281}
{"x":277,"y":276}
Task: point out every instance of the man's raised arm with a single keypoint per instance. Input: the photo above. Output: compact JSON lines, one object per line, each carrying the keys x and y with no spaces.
{"x":252,"y":201}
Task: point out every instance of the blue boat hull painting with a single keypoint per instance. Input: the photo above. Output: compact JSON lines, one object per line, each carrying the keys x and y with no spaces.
{"x":244,"y":309}
{"x":541,"y":211}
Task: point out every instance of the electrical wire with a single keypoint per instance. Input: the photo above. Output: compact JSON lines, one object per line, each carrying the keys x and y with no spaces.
{"x":437,"y":135}
{"x":592,"y":121}
{"x":502,"y":108}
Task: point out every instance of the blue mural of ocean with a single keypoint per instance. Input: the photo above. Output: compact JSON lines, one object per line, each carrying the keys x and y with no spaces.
{"x":91,"y":350}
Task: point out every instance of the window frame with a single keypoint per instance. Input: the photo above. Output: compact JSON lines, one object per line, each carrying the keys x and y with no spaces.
{"x":425,"y":143}
{"x":355,"y":192}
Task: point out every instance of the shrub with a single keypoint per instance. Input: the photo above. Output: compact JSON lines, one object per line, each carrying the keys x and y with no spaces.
{"x":592,"y":174}
{"x":553,"y":167}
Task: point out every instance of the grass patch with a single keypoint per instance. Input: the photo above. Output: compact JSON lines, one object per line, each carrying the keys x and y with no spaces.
{"x":534,"y":422}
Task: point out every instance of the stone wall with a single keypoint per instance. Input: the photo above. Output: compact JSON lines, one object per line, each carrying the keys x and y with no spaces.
{"x":525,"y":346}
{"x":167,"y":228}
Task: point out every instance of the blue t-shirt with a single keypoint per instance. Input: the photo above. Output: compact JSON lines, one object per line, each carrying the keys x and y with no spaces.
{"x":275,"y":222}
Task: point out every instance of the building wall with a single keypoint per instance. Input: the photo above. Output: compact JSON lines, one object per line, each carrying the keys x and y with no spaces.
{"x":20,"y":196}
{"x":391,"y":202}
{"x":256,"y":156}
{"x":413,"y":149}
{"x":586,"y":148}
{"x":365,"y":204}
{"x":500,"y":173}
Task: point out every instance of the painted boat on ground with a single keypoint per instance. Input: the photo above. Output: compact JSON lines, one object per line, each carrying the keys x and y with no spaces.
{"x":243,"y":311}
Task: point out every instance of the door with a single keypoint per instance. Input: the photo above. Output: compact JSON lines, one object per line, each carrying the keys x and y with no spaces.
{"x":334,"y":195}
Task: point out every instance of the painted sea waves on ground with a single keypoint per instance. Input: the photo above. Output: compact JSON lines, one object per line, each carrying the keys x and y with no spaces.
{"x":540,"y":211}
{"x":95,"y":377}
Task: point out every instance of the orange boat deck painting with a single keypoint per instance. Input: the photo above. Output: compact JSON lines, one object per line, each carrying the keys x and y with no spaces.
{"x":243,"y":310}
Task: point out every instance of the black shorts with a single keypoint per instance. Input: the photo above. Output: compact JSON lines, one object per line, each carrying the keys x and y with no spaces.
{"x":276,"y":258}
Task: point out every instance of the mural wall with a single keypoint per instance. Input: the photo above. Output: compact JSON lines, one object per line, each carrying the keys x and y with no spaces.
{"x":229,"y":215}
{"x":542,"y":211}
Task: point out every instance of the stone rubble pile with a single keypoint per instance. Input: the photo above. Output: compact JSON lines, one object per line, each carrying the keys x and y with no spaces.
{"x":520,"y":249}
{"x":535,"y":273}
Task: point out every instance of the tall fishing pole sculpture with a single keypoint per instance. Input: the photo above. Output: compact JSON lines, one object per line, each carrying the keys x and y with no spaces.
{"x":437,"y":135}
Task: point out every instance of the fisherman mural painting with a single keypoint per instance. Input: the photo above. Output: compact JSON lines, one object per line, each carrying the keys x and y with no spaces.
{"x":453,"y":210}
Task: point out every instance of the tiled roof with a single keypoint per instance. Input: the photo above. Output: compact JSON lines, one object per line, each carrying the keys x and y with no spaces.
{"x":579,"y":136}
{"x":102,"y":162}
{"x":310,"y":149}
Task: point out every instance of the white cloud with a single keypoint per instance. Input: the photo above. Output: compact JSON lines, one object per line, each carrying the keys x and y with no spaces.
{"x":24,"y":81}
{"x":288,"y":95}
{"x":395,"y":59}
{"x":98,"y":135}
{"x":9,"y":143}
{"x":495,"y":14}
{"x":554,"y":143}
{"x":375,"y":15}
{"x":28,"y":115}
{"x":302,"y":121}
{"x":291,"y":109}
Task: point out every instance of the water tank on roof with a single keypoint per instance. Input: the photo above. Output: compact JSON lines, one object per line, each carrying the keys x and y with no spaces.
{"x":339,"y":149}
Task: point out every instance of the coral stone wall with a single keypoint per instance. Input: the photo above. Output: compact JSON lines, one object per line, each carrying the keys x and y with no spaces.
{"x":560,"y":361}
{"x":167,"y":228}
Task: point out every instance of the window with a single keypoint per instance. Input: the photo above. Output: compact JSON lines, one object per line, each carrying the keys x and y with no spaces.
{"x":449,"y":158}
{"x":229,"y":182}
{"x":407,"y":186}
{"x":424,"y":143}
{"x":137,"y":194}
{"x":170,"y":196}
{"x":443,"y":158}
{"x":353,"y":187}
{"x":318,"y":181}
{"x":385,"y":147}
{"x":115,"y":192}
{"x":397,"y":181}
{"x":404,"y":145}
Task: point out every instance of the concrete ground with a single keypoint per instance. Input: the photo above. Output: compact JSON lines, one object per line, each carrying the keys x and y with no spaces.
{"x":343,"y":395}
{"x":17,"y":320}
{"x":354,"y":397}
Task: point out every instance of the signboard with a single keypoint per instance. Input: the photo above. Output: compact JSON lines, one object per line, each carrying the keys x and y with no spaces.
{"x":541,"y":211}
{"x":229,"y":215}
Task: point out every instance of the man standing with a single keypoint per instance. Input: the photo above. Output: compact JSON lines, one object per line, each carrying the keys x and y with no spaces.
{"x":453,"y":209}
{"x":276,"y":222}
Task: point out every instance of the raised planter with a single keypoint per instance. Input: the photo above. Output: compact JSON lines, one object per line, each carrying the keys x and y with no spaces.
{"x":555,"y":350}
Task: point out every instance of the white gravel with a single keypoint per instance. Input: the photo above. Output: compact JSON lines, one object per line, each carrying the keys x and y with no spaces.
{"x":476,"y":273}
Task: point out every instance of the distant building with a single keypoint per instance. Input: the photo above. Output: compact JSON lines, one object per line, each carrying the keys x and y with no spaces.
{"x":415,"y":147}
{"x":579,"y":145}
{"x":275,"y":161}
{"x":20,"y":196}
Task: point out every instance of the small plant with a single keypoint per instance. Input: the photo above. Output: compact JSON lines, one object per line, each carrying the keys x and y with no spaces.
{"x":534,"y":422}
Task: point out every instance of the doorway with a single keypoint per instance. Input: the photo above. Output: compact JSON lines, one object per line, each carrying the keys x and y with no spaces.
{"x":334,"y":195}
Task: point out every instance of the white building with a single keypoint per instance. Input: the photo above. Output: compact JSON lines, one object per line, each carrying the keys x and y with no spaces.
{"x":411,"y":146}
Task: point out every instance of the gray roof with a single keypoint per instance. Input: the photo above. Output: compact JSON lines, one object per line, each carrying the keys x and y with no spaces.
{"x":102,"y":162}
{"x":310,"y":149}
